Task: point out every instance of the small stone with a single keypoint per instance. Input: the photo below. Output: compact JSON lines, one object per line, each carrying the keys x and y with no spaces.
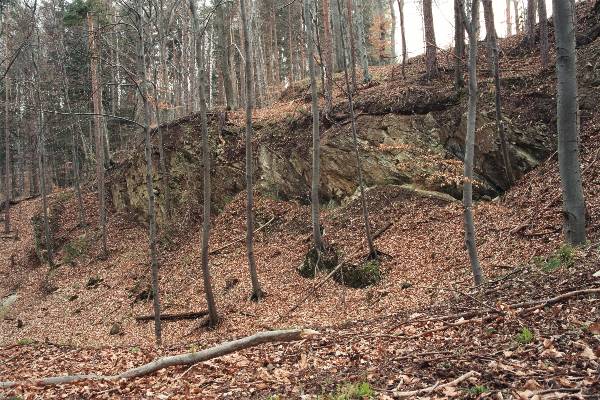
{"x":19,"y":323}
{"x":115,"y":329}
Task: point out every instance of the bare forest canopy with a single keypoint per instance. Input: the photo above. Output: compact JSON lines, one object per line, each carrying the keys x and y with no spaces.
{"x":183,"y":181}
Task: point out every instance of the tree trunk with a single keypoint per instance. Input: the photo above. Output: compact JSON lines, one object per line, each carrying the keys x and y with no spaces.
{"x":567,"y":123}
{"x":291,"y":76}
{"x":495,"y":67}
{"x":351,"y":39}
{"x":544,"y":45}
{"x":508,"y":19}
{"x":222,"y":43}
{"x":430,"y":44}
{"x":517,"y":17}
{"x":470,"y":240}
{"x":459,"y":45}
{"x":210,"y":299}
{"x":316,"y":133}
{"x":392,"y":32}
{"x":142,"y":87}
{"x":402,"y":37}
{"x":361,"y":185}
{"x":7,"y":169}
{"x":530,"y":26}
{"x":328,"y":57}
{"x":96,"y":100}
{"x":361,"y":40}
{"x":257,"y":292}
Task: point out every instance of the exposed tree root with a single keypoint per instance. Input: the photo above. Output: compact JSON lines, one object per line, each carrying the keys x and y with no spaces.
{"x":173,"y":317}
{"x":180,"y":359}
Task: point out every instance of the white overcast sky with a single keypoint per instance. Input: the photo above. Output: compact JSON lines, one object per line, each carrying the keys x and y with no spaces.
{"x":443,"y":16}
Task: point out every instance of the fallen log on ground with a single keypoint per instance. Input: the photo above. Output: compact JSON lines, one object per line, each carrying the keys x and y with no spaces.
{"x":173,"y":317}
{"x":180,"y":359}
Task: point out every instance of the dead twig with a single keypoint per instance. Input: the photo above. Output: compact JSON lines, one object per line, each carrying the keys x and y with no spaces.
{"x":430,"y":389}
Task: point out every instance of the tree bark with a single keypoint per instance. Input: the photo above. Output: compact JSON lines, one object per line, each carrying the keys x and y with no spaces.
{"x":328,"y":57}
{"x":495,"y":67}
{"x":402,"y":37}
{"x":459,"y":45}
{"x":508,"y":19}
{"x":517,"y":17}
{"x":530,"y":26}
{"x":470,"y":240}
{"x":544,"y":45}
{"x":97,"y":103}
{"x":430,"y":44}
{"x":392,"y":32}
{"x":361,"y":40}
{"x":351,"y":39}
{"x":567,"y":122}
{"x":200,"y":63}
{"x":7,"y":169}
{"x":142,"y":87}
{"x":316,"y":133}
{"x":222,"y":43}
{"x":257,"y":292}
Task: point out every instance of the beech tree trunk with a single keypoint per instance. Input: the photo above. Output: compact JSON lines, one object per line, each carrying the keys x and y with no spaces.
{"x":316,"y":133}
{"x":222,"y":43}
{"x":7,"y":169}
{"x":257,"y":292}
{"x":361,"y":40}
{"x":351,"y":39}
{"x":567,"y":122}
{"x":530,"y":26}
{"x":459,"y":45}
{"x":470,"y":239}
{"x":402,"y":37}
{"x":142,"y":87}
{"x":97,"y":103}
{"x":517,"y":17}
{"x":508,"y":19}
{"x":495,"y":67}
{"x":544,"y":45}
{"x":361,"y":185}
{"x":392,"y":32}
{"x":200,"y":64}
{"x":430,"y":44}
{"x":328,"y":57}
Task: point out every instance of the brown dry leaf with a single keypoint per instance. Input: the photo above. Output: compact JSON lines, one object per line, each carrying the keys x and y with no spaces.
{"x":588,"y":353}
{"x":532,"y":385}
{"x":594,"y":328}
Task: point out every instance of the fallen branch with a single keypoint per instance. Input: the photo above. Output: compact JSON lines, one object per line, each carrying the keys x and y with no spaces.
{"x":180,"y":359}
{"x":215,"y":251}
{"x":382,"y":230}
{"x":534,"y":305}
{"x":430,"y":389}
{"x":173,"y":317}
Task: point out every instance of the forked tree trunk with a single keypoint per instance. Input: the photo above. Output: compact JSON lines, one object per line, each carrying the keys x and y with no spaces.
{"x":402,"y":37}
{"x":257,"y":292}
{"x":544,"y":45}
{"x":567,"y":124}
{"x":495,"y":67}
{"x":316,"y":134}
{"x":142,"y":87}
{"x":470,"y":239}
{"x":430,"y":44}
{"x":94,"y":61}
{"x":361,"y":184}
{"x":210,"y":299}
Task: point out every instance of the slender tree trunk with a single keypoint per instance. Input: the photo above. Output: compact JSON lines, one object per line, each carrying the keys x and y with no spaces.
{"x":142,"y":87}
{"x":328,"y":57}
{"x":430,"y":43}
{"x":470,"y":240}
{"x":459,"y":45}
{"x":392,"y":32}
{"x":495,"y":66}
{"x":402,"y":37}
{"x":351,"y":39}
{"x":316,"y":133}
{"x":567,"y":123}
{"x":508,"y":19}
{"x":200,"y":63}
{"x":257,"y":292}
{"x":223,"y":53}
{"x":530,"y":26}
{"x":7,"y":169}
{"x":361,"y":40}
{"x":361,"y":184}
{"x":544,"y":45}
{"x":96,"y":93}
{"x":517,"y":17}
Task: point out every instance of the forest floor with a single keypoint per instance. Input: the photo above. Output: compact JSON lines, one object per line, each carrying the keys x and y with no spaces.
{"x":423,"y":325}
